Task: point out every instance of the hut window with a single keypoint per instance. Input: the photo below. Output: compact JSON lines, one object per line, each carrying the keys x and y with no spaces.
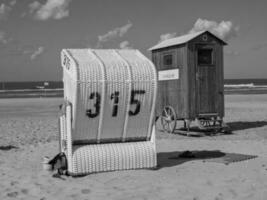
{"x":167,"y":60}
{"x":204,"y":57}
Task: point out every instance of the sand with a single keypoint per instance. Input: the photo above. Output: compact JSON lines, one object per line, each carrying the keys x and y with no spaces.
{"x":29,"y":131}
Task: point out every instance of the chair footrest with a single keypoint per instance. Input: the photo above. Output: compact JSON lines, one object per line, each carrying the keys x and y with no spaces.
{"x":88,"y":159}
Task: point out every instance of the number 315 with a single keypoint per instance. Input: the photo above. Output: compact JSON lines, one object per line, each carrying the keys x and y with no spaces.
{"x":92,"y":113}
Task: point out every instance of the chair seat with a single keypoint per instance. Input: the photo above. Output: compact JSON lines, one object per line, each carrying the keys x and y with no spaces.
{"x":114,"y":156}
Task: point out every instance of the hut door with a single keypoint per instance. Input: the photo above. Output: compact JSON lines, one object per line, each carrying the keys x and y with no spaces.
{"x":205,"y":79}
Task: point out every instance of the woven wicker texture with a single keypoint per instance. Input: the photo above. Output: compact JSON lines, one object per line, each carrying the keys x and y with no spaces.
{"x":86,"y":159}
{"x":123,"y":74}
{"x":111,"y":97}
{"x":114,"y":156}
{"x":143,"y":79}
{"x":117,"y":81}
{"x":78,"y":89}
{"x":63,"y":132}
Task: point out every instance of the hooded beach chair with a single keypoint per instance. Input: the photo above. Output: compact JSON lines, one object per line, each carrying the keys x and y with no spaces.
{"x":107,"y":121}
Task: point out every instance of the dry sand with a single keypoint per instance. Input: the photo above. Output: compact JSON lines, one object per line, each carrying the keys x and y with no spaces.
{"x":28,"y":131}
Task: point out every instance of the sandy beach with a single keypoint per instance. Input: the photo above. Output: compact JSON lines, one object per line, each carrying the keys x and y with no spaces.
{"x":29,"y":131}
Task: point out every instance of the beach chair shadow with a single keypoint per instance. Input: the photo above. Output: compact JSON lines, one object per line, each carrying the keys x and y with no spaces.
{"x":170,"y":159}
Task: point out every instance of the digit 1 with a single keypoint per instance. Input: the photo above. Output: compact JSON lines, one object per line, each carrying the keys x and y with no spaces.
{"x":115,"y":96}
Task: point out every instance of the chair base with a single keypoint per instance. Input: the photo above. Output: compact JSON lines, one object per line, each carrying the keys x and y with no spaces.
{"x":114,"y":156}
{"x":94,"y":158}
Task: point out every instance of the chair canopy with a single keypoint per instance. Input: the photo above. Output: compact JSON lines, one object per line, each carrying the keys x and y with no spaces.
{"x":112,"y":93}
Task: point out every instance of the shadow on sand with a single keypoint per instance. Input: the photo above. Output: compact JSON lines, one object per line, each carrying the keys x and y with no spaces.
{"x":242,"y":125}
{"x":8,"y":147}
{"x":169,"y":159}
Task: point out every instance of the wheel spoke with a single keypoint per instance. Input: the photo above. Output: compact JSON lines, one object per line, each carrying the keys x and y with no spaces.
{"x":168,"y":119}
{"x":165,"y":125}
{"x":165,"y":112}
{"x":169,"y":112}
{"x":164,"y":121}
{"x":165,"y":118}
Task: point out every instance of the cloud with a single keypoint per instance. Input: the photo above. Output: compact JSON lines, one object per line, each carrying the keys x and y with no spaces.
{"x":4,"y":10}
{"x":52,"y":9}
{"x":224,"y":30}
{"x":167,"y":36}
{"x":3,"y":38}
{"x":27,"y":49}
{"x":34,"y":6}
{"x":38,"y":52}
{"x":114,"y":33}
{"x":125,"y":45}
{"x":12,"y":3}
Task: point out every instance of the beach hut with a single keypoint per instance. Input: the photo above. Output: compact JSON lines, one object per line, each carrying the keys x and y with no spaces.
{"x":190,"y":80}
{"x":107,"y":122}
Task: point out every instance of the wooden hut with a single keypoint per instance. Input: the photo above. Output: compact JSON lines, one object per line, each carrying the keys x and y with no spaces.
{"x":190,"y":79}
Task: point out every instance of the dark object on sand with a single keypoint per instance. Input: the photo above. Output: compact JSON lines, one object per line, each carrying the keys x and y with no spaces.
{"x":8,"y":147}
{"x":187,"y":154}
{"x":59,"y":163}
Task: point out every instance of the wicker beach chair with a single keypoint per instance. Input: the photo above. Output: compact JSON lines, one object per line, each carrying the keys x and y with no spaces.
{"x":108,"y":118}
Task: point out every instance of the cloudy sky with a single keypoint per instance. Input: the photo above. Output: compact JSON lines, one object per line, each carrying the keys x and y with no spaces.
{"x":33,"y":32}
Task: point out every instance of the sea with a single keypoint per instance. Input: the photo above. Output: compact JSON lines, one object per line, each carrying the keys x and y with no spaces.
{"x":245,"y":86}
{"x":42,"y":89}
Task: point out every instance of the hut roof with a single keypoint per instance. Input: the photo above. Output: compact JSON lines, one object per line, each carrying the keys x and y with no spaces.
{"x":181,"y":40}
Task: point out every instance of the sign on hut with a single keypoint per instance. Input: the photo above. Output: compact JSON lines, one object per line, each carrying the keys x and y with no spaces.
{"x":190,"y":80}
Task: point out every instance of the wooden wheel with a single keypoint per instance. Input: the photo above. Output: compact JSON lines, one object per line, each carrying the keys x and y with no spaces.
{"x":168,"y":119}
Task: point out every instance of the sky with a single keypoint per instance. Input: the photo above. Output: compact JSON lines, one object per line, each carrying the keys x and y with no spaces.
{"x":33,"y":32}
